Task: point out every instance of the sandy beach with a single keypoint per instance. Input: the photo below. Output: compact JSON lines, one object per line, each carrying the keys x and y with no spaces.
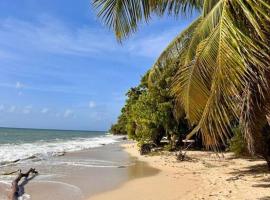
{"x":204,"y":176}
{"x":77,"y":175}
{"x":118,"y":172}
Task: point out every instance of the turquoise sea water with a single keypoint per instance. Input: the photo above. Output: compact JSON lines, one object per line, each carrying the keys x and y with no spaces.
{"x":23,"y":144}
{"x":71,"y":164}
{"x":19,"y":135}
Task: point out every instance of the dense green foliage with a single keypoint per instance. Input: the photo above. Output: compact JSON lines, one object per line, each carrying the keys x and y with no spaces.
{"x":149,"y":111}
{"x":120,"y":127}
{"x":222,"y":62}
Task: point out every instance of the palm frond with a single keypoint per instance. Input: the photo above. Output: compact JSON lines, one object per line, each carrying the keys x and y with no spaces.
{"x":208,"y":6}
{"x":192,"y":83}
{"x":123,"y":17}
{"x":177,"y":7}
{"x":223,"y":59}
{"x":240,"y":60}
{"x":174,"y":52}
{"x":204,"y":29}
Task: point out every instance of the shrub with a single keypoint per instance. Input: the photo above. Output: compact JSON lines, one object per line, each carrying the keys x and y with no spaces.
{"x":238,"y":144}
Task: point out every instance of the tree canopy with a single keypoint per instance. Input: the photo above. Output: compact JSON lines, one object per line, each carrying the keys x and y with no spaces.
{"x":222,"y":62}
{"x":149,"y":111}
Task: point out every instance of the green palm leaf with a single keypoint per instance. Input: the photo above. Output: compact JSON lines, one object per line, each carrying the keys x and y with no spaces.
{"x":123,"y":17}
{"x":222,"y":58}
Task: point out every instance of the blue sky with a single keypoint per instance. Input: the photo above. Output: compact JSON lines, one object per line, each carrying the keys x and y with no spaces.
{"x":61,"y":68}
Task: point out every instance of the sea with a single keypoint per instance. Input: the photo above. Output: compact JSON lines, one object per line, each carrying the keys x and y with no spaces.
{"x":72,"y":165}
{"x":18,"y":145}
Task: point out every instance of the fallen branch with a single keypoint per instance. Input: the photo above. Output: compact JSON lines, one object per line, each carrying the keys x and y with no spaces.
{"x":9,"y":173}
{"x":15,"y":184}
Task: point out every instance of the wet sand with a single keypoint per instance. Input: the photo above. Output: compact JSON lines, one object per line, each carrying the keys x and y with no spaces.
{"x":79,"y":175}
{"x":110,"y":173}
{"x":203,"y":176}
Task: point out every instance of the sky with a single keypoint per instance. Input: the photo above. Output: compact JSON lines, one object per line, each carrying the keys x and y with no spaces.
{"x":61,"y":68}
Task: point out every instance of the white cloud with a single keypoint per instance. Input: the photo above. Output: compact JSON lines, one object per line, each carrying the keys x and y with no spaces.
{"x":44,"y":110}
{"x":12,"y":109}
{"x":68,"y":113}
{"x":58,"y":89}
{"x":18,"y":85}
{"x":2,"y":107}
{"x":92,"y":104}
{"x":152,"y":46}
{"x":27,"y":109}
{"x":54,"y":36}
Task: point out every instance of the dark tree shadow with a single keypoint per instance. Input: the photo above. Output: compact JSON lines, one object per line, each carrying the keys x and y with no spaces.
{"x":267,"y":185}
{"x":256,"y":171}
{"x":252,"y":170}
{"x":265,"y":198}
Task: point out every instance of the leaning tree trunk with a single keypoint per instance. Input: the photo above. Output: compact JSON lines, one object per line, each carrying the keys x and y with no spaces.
{"x":266,"y":136}
{"x":261,"y":141}
{"x":255,"y":124}
{"x":256,"y":95}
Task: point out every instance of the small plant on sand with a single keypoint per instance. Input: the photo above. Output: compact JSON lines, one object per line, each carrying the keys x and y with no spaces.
{"x":238,"y":144}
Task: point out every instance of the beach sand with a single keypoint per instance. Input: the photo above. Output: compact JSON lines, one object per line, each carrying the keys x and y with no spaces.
{"x":78,"y":175}
{"x":126,"y":175}
{"x":205,"y":176}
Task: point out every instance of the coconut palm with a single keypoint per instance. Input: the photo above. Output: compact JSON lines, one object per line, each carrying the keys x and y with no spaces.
{"x":123,"y":17}
{"x":223,"y":61}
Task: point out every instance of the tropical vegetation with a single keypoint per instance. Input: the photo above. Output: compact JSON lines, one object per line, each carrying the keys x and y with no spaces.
{"x":149,"y":115}
{"x":222,"y":61}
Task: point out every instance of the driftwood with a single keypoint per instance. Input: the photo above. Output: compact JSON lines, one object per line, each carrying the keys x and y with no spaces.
{"x":9,"y":173}
{"x":181,"y":155}
{"x":15,"y":188}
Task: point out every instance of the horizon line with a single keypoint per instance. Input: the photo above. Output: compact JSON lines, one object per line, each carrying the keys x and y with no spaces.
{"x":54,"y":129}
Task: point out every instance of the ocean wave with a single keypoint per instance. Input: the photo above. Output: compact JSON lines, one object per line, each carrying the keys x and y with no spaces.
{"x":42,"y":150}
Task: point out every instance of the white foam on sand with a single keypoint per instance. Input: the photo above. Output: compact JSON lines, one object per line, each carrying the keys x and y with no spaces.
{"x":24,"y":197}
{"x":92,"y":163}
{"x":44,"y":150}
{"x":5,"y":182}
{"x":73,"y":187}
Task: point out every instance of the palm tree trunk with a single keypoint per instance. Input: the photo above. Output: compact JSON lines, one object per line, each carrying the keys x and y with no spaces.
{"x":255,"y":124}
{"x":266,"y":137}
{"x":259,"y":143}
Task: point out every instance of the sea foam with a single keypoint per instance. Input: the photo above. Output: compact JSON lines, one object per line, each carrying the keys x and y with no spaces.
{"x":10,"y":153}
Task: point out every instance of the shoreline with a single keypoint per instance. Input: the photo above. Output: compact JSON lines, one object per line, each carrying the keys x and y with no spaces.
{"x":204,"y":176}
{"x":77,"y":175}
{"x":159,"y":176}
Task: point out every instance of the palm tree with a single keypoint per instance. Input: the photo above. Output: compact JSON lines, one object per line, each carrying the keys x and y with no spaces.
{"x":223,"y":61}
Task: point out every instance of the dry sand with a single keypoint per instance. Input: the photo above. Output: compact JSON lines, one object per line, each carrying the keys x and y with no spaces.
{"x":205,"y":176}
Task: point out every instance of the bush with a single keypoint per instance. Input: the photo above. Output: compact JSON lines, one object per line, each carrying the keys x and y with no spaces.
{"x":145,"y":149}
{"x":238,"y":144}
